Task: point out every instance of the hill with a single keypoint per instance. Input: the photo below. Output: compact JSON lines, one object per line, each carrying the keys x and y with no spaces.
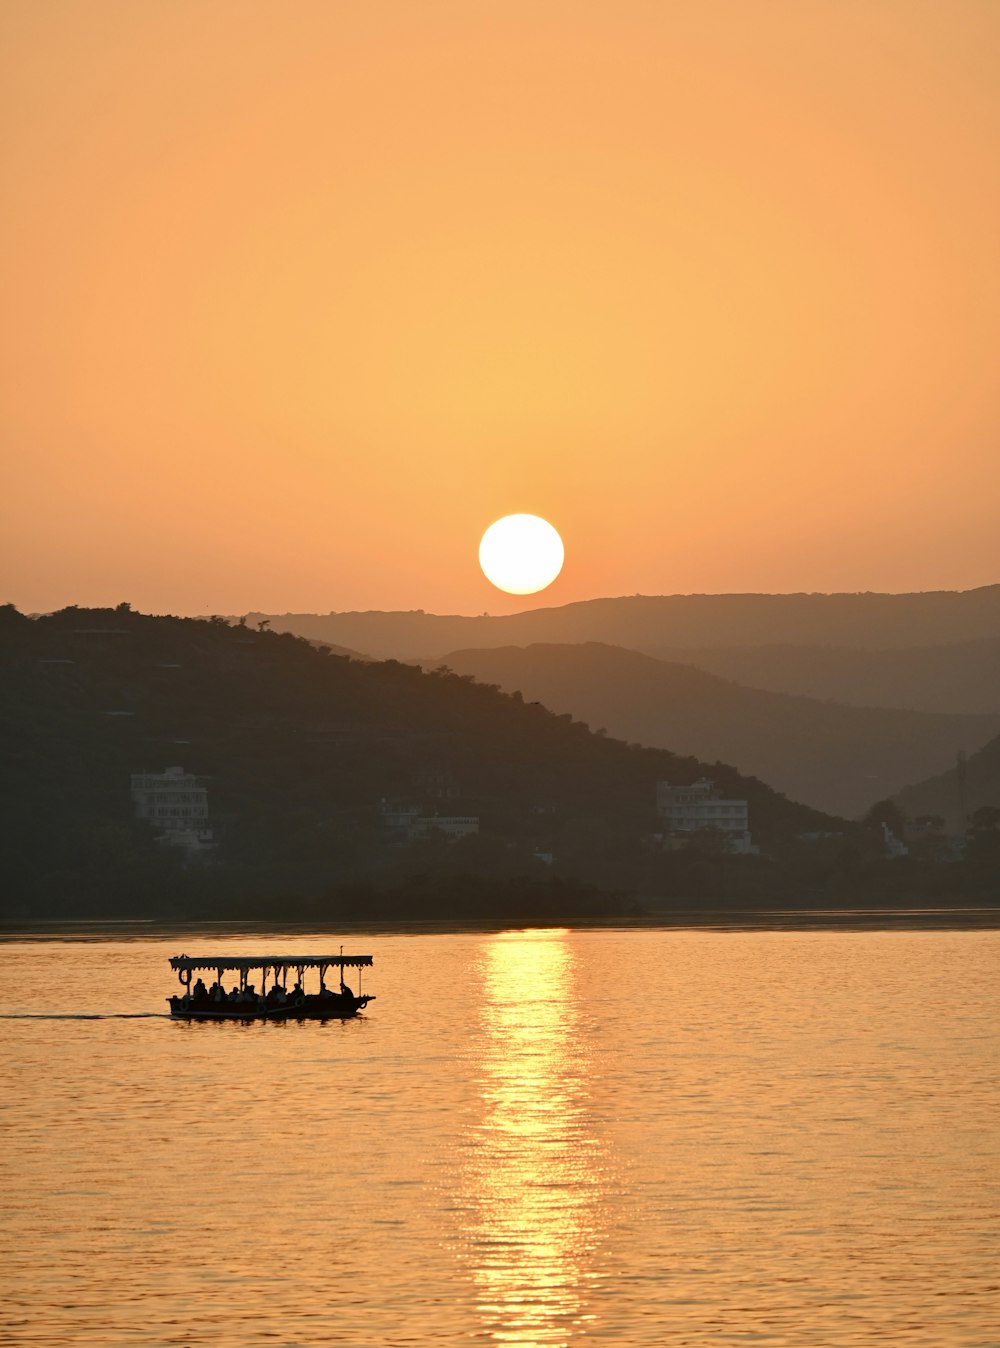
{"x":836,"y":758}
{"x":639,"y":622}
{"x":299,"y":749}
{"x":963,"y":677}
{"x":955,"y":795}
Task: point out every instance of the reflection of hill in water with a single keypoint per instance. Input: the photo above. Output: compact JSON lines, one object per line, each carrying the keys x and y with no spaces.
{"x":534,"y":1174}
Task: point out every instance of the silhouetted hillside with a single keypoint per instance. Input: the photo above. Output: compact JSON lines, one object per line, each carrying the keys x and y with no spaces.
{"x":837,"y":758}
{"x":870,"y":621}
{"x":956,"y":794}
{"x":964,"y":677}
{"x":299,"y":749}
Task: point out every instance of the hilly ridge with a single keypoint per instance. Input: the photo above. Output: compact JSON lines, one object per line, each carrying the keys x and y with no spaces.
{"x":300,"y":748}
{"x":837,"y":758}
{"x":956,"y":794}
{"x":960,"y":677}
{"x":638,"y":622}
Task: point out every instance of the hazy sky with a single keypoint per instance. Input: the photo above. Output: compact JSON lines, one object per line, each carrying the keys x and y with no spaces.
{"x":300,"y":295}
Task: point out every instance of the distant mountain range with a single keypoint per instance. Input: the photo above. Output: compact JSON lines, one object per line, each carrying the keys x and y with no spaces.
{"x":963,"y":677}
{"x":873,"y":622}
{"x":956,"y":794}
{"x":837,"y":758}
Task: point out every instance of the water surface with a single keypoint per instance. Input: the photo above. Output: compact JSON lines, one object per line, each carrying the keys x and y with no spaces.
{"x":633,"y":1137}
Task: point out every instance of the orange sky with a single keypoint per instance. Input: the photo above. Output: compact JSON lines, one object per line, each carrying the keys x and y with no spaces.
{"x":300,"y":295}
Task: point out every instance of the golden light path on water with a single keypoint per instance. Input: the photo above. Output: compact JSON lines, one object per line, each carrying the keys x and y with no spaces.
{"x":535,"y":1173}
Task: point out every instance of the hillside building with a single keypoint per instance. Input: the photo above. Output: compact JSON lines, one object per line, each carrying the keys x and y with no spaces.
{"x":176,"y":803}
{"x":399,"y":818}
{"x":891,"y":845}
{"x":694,"y":808}
{"x":411,"y":822}
{"x":452,"y":825}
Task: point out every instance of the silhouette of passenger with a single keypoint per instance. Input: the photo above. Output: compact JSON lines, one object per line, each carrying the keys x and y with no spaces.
{"x":199,"y":992}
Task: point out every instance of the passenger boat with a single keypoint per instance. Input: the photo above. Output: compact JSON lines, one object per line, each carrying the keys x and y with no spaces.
{"x":279,"y":1002}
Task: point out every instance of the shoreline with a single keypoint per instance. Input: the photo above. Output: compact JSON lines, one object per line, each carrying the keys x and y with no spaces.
{"x":722,"y":919}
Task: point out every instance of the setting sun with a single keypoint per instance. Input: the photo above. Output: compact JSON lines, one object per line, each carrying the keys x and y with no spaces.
{"x":521,"y":554}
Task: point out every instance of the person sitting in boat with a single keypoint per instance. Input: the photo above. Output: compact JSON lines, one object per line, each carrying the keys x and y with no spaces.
{"x":218,"y":992}
{"x":296,"y":993}
{"x":199,"y":992}
{"x":234,"y":996}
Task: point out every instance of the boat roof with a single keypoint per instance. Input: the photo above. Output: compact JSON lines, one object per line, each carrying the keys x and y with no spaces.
{"x":238,"y":962}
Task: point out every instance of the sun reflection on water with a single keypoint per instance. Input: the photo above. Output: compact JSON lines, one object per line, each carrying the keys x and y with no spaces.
{"x":535,"y":1170}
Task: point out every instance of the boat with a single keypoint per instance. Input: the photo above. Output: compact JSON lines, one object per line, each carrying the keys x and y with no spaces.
{"x":279,"y":1002}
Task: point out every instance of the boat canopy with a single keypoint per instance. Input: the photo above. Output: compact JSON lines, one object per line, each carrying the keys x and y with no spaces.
{"x":242,"y":964}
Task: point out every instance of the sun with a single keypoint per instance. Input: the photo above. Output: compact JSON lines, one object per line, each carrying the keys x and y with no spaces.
{"x":521,"y":554}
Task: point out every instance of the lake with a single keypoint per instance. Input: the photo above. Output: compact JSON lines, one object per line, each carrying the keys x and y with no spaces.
{"x":639,"y":1137}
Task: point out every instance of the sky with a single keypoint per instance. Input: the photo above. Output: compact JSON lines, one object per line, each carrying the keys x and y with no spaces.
{"x":300,"y":295}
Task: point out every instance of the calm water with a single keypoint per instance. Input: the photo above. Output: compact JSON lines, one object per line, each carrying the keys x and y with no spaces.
{"x":635,"y":1137}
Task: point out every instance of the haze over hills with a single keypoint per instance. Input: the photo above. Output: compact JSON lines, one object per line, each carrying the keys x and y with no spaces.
{"x":639,"y":622}
{"x":964,"y":677}
{"x":956,"y":794}
{"x":837,"y":758}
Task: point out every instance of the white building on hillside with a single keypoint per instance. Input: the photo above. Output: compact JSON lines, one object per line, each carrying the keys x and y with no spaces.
{"x":176,"y":803}
{"x":400,"y":818}
{"x":453,"y":825}
{"x":411,"y":821}
{"x":690,"y":809}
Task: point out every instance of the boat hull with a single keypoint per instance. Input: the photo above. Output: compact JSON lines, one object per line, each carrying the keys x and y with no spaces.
{"x":333,"y":1006}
